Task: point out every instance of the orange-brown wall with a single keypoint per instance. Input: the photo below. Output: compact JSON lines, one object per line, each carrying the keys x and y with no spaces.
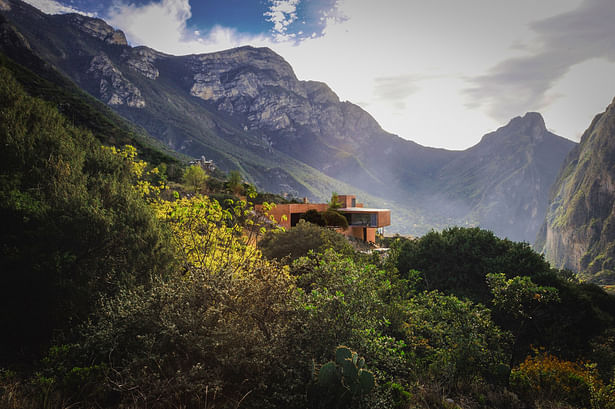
{"x":384,"y":218}
{"x":281,"y":210}
{"x":346,"y":201}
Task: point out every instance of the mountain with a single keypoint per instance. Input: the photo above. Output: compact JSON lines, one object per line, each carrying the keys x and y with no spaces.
{"x":245,"y":109}
{"x":84,"y":49}
{"x":579,"y":231}
{"x":503,"y":182}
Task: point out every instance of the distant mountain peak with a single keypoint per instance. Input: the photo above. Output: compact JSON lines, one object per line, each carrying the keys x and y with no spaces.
{"x":532,"y":123}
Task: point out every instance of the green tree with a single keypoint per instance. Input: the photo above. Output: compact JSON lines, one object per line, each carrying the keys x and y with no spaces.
{"x":76,"y":225}
{"x":518,"y":300}
{"x":335,"y":219}
{"x":314,"y":216}
{"x":234,"y":182}
{"x":216,"y":331}
{"x":457,"y":260}
{"x":299,"y":240}
{"x":332,"y":216}
{"x":195,"y":178}
{"x":334,"y":203}
{"x":456,"y":340}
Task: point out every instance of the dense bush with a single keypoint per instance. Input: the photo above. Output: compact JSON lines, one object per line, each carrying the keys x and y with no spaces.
{"x":75,"y":225}
{"x":457,"y":260}
{"x":454,"y":340}
{"x":299,"y":240}
{"x":545,"y":377}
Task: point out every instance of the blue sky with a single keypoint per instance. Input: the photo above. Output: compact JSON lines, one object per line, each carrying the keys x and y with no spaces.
{"x":278,"y":19}
{"x":438,"y":72}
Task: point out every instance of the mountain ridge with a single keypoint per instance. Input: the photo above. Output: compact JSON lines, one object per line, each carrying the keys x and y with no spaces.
{"x":245,"y":109}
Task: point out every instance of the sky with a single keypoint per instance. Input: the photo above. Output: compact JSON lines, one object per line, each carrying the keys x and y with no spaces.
{"x":440,"y":72}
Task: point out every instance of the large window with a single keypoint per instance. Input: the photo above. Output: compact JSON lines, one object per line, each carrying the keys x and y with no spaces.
{"x":362,"y":219}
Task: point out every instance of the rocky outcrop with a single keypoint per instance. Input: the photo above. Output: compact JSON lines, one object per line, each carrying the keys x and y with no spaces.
{"x":10,"y":38}
{"x":114,"y":88}
{"x":260,"y":85}
{"x":579,"y":231}
{"x":97,"y":28}
{"x":141,"y":60}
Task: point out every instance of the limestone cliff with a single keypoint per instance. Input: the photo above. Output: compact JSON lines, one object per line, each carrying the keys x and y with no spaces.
{"x":97,"y":28}
{"x":579,"y":231}
{"x":114,"y":88}
{"x":142,"y":60}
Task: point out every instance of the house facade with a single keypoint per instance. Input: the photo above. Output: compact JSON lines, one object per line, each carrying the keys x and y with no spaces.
{"x":362,"y":222}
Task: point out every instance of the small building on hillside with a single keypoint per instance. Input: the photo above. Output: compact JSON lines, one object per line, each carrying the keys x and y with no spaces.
{"x":362,"y":222}
{"x":207,"y":165}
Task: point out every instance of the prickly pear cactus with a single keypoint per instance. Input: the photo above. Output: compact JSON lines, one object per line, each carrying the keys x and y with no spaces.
{"x":337,"y":384}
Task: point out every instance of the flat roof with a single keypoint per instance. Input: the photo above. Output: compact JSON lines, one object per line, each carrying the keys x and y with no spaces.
{"x":362,"y":210}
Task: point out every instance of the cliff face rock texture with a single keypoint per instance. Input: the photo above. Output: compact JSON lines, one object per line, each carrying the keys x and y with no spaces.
{"x":262,"y":87}
{"x":97,"y":28}
{"x":115,"y":89}
{"x":579,"y":232}
{"x":142,"y":60}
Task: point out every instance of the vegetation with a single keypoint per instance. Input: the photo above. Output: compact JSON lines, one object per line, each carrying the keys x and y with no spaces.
{"x":118,"y":292}
{"x":300,"y":240}
{"x":195,"y":178}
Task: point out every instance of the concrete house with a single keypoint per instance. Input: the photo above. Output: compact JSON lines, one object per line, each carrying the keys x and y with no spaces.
{"x":362,"y":222}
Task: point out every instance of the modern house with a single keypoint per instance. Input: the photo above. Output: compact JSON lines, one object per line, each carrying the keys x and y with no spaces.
{"x":362,"y":222}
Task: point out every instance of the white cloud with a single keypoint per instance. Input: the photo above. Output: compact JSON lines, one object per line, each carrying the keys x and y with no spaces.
{"x":53,"y":7}
{"x":282,"y":13}
{"x":163,"y":26}
{"x":561,"y":42}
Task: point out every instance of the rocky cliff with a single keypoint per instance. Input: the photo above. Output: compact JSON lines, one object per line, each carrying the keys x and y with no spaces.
{"x":579,"y":232}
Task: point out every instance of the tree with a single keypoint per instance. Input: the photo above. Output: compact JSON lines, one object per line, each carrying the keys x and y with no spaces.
{"x":332,"y":216}
{"x":195,"y":177}
{"x":334,"y":203}
{"x":456,"y":340}
{"x":302,"y":238}
{"x":518,"y":299}
{"x":209,"y":332}
{"x":76,"y":222}
{"x":457,"y":260}
{"x":335,"y":219}
{"x":314,"y":216}
{"x":234,"y":182}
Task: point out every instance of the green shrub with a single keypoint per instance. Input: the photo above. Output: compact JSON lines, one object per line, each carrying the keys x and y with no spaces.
{"x":299,"y":240}
{"x":456,"y":340}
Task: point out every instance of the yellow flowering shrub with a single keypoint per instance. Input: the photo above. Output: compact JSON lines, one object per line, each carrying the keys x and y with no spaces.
{"x":545,"y":377}
{"x":147,"y":183}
